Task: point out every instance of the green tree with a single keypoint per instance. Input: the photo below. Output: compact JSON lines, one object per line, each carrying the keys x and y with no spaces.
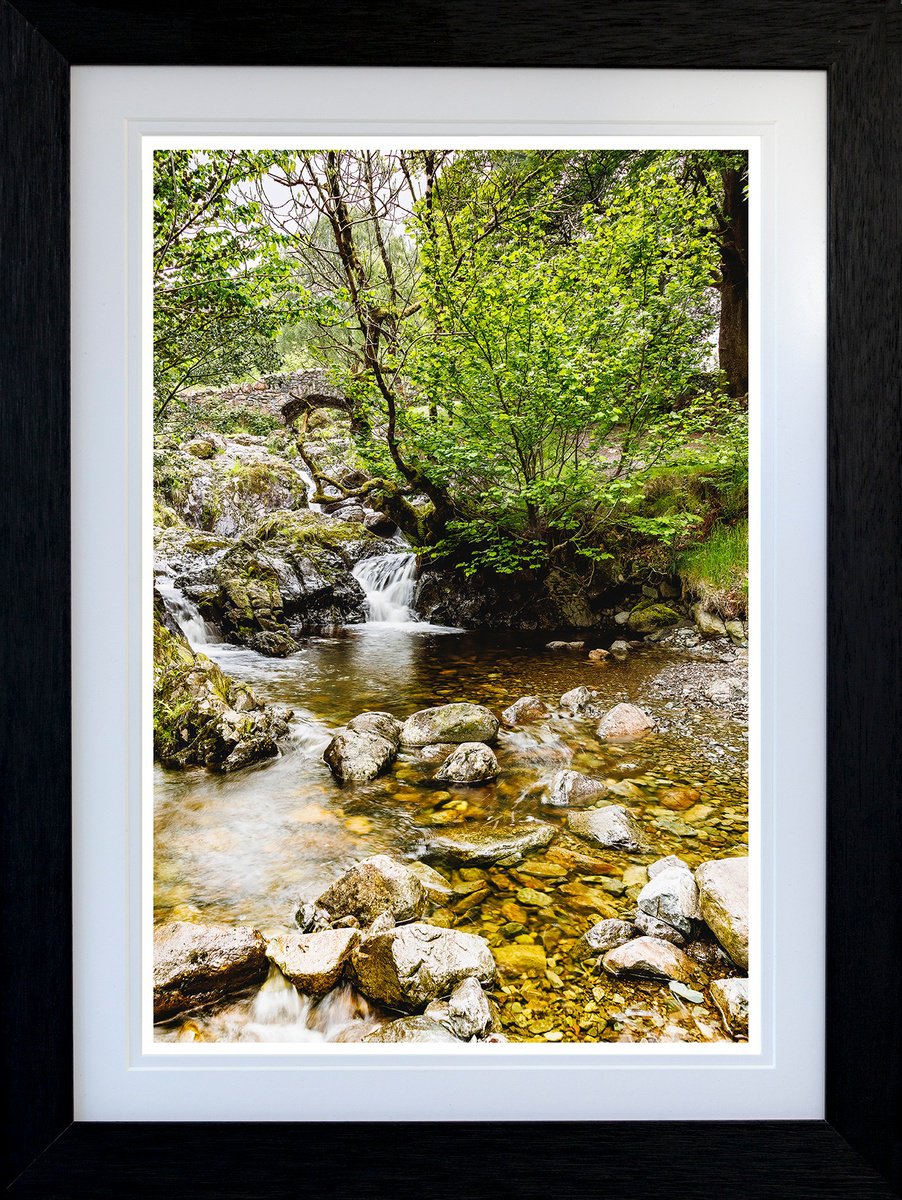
{"x":220,"y":286}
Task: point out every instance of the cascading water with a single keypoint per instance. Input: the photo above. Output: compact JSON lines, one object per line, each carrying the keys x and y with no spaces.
{"x":388,"y":582}
{"x":184,"y":613}
{"x":310,"y":485}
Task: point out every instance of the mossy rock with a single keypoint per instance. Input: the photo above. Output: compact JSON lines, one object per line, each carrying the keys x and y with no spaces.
{"x":646,"y":618}
{"x":201,"y":717}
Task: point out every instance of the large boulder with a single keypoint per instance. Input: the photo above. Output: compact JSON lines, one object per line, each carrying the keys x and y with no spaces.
{"x":471,"y":762}
{"x":731,"y":997}
{"x":412,"y":1029}
{"x":198,"y":965}
{"x":624,"y":722}
{"x":373,"y":887}
{"x":527,"y":708}
{"x":612,"y":827}
{"x":454,"y":723}
{"x":358,"y":757}
{"x":408,"y":966}
{"x":313,"y":962}
{"x":723,"y":892}
{"x":290,"y":571}
{"x":382,"y":723}
{"x":572,"y":787}
{"x":671,"y":895}
{"x":709,"y":624}
{"x":649,"y":958}
{"x":478,"y":843}
{"x":201,"y":717}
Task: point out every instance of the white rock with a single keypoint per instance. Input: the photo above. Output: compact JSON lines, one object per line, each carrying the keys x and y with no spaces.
{"x":671,"y":895}
{"x":723,"y":886}
{"x":612,"y":827}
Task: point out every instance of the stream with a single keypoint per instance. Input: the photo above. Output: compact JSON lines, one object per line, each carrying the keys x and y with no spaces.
{"x":250,"y":846}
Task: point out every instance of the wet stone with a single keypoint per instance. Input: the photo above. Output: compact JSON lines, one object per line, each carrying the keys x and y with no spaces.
{"x":649,"y":958}
{"x":313,"y":962}
{"x":196,"y":965}
{"x":572,"y":787}
{"x":375,"y":886}
{"x":477,"y":842}
{"x":412,"y":1029}
{"x":413,"y":964}
{"x":605,"y":935}
{"x":612,"y":827}
{"x":471,"y":762}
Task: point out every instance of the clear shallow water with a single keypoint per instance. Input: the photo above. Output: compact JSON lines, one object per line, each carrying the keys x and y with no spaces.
{"x":250,"y":846}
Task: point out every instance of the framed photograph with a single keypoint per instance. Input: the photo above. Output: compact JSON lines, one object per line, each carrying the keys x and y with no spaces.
{"x":453,"y":454}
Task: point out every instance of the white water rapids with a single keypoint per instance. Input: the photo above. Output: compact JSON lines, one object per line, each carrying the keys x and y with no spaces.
{"x":185,"y":614}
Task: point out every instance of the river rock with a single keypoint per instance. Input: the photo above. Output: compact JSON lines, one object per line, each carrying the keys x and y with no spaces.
{"x":620,"y":648}
{"x":274,"y":643}
{"x":381,"y":723}
{"x":649,"y":958}
{"x":412,"y":1029}
{"x":663,"y":864}
{"x":723,"y":887}
{"x":437,"y":888}
{"x":566,"y":646}
{"x":612,"y":827}
{"x":477,"y":843}
{"x":196,"y":965}
{"x":605,"y":935}
{"x":671,"y":895}
{"x":649,"y":617}
{"x":652,"y":927}
{"x":466,"y":1013}
{"x":377,"y":886}
{"x":732,"y":999}
{"x":624,"y":722}
{"x":313,"y":962}
{"x":572,"y":787}
{"x":579,"y":701}
{"x":709,"y":624}
{"x":413,"y":964}
{"x":455,"y":723}
{"x":358,"y":757}
{"x":599,"y":656}
{"x":471,"y":762}
{"x":527,"y":708}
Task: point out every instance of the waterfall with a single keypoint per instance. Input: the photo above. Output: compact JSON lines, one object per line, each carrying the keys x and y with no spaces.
{"x":388,"y":581}
{"x":310,"y":485}
{"x":183,"y":612}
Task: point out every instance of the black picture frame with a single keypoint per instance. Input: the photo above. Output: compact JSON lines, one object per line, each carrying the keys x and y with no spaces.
{"x":857,"y":1150}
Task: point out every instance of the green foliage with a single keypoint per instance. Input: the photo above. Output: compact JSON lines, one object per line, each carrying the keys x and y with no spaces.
{"x":544,"y":387}
{"x":220,"y":285}
{"x":716,"y":570}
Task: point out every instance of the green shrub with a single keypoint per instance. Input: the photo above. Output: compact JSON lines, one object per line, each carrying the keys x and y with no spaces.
{"x":716,"y":570}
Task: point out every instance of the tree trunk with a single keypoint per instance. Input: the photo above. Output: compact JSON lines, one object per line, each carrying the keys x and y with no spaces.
{"x":733,"y":342}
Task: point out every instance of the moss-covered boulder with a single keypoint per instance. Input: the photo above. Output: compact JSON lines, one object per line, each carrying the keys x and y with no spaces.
{"x":291,"y":572}
{"x":201,"y":717}
{"x":646,"y":618}
{"x":223,"y":485}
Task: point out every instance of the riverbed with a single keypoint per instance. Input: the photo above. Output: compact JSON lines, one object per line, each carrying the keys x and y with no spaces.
{"x":249,"y":847}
